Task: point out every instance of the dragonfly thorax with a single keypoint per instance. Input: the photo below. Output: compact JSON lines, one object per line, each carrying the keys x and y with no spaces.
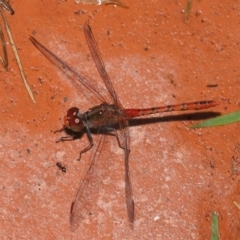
{"x":102,"y":115}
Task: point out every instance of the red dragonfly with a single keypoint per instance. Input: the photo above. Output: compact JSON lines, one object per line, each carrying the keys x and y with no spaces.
{"x":108,"y":116}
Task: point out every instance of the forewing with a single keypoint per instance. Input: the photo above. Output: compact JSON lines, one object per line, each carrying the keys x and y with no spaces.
{"x":96,"y":56}
{"x":79,"y":80}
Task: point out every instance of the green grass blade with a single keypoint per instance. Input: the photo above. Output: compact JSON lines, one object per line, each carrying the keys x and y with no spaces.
{"x":188,"y":9}
{"x":214,"y":234}
{"x":222,"y":120}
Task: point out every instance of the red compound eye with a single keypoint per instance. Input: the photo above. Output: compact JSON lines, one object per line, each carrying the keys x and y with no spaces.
{"x":72,"y":120}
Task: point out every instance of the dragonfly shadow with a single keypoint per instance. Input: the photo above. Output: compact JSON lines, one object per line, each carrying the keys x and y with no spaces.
{"x":174,"y":118}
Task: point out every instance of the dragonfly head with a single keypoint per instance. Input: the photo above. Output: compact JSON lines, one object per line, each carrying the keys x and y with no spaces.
{"x":73,"y":121}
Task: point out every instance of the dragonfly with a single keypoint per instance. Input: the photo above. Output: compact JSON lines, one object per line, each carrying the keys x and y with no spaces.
{"x":109,"y":116}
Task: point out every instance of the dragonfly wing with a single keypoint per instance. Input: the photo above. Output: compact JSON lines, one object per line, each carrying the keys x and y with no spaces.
{"x":79,"y":80}
{"x":124,"y":141}
{"x":96,"y":56}
{"x":85,"y":199}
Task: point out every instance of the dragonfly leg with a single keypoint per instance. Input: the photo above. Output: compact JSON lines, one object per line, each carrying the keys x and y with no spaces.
{"x":67,"y":138}
{"x":89,"y":146}
{"x":119,"y":142}
{"x":60,"y":130}
{"x":113,"y":132}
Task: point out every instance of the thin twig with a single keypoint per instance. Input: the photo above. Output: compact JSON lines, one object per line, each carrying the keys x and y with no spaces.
{"x":17,"y":56}
{"x":115,"y":2}
{"x":237,"y":204}
{"x":4,"y":60}
{"x":7,"y":6}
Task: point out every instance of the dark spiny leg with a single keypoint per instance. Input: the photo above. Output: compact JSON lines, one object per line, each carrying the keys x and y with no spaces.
{"x":68,"y":138}
{"x":60,"y":130}
{"x":89,"y":146}
{"x":119,"y":143}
